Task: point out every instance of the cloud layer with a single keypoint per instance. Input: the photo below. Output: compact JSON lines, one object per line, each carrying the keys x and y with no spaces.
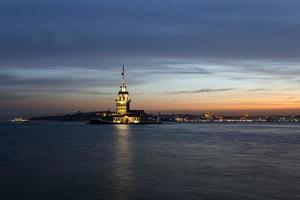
{"x":201,"y":91}
{"x":80,"y":33}
{"x":77,"y":48}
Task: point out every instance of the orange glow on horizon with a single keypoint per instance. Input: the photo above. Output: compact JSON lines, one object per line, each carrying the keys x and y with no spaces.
{"x":164,"y":103}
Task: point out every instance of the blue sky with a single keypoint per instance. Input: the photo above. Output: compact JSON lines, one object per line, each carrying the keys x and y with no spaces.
{"x":59,"y":56}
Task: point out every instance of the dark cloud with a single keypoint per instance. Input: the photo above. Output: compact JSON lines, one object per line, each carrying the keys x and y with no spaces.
{"x":100,"y":93}
{"x":82,"y":33}
{"x":182,"y":71}
{"x":259,"y":104}
{"x":201,"y":91}
{"x":6,"y":78}
{"x":9,"y":80}
{"x":9,"y":96}
{"x":258,"y":90}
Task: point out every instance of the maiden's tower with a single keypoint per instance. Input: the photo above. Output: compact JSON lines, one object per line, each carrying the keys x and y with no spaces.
{"x":123,"y":113}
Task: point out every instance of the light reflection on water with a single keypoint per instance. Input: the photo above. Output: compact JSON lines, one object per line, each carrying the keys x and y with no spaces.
{"x":123,"y":176}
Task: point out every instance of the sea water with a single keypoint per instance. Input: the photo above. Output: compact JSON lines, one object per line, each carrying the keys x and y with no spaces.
{"x":55,"y":160}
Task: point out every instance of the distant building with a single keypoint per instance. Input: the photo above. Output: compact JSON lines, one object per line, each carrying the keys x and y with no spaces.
{"x":207,"y":116}
{"x":123,"y":113}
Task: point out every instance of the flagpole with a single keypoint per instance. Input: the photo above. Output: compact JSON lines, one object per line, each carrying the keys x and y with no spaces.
{"x":123,"y":74}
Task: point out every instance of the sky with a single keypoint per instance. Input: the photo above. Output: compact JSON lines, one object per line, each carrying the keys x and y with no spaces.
{"x":179,"y":55}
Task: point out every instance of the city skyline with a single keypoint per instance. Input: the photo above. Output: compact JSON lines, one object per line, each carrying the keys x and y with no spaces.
{"x":233,"y":56}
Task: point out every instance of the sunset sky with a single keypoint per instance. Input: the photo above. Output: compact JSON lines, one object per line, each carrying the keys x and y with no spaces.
{"x":180,"y":55}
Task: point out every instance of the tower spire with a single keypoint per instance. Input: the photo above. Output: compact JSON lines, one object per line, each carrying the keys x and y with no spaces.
{"x":123,"y":74}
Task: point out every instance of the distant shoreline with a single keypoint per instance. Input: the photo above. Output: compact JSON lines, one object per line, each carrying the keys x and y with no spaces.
{"x":175,"y":118}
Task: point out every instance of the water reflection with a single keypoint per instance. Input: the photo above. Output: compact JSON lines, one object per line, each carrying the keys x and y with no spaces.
{"x":123,"y":177}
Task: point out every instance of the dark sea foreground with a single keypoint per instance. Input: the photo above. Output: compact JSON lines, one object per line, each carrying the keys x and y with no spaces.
{"x":54,"y":160}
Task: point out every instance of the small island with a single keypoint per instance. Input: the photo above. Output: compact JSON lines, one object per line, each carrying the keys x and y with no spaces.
{"x":123,"y":114}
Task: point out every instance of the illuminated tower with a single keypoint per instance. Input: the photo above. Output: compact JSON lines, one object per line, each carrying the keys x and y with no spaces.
{"x":123,"y":101}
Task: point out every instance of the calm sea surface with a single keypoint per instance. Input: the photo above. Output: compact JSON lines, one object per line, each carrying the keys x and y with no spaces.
{"x":54,"y":160}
